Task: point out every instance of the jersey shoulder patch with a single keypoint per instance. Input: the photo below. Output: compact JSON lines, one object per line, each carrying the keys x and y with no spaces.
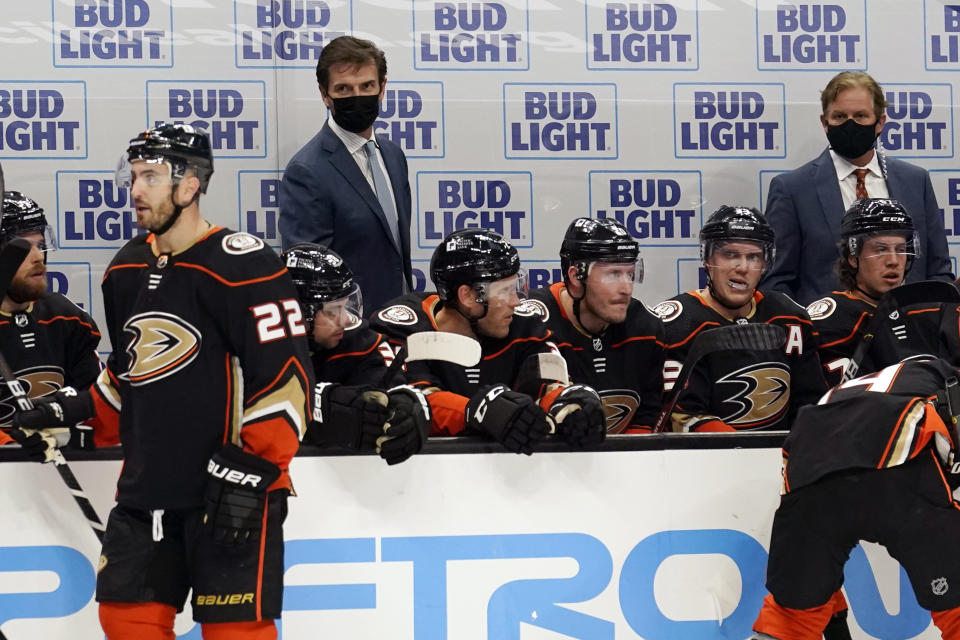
{"x":668,"y":310}
{"x":239,"y":243}
{"x":398,"y":314}
{"x":822,"y":308}
{"x":531,"y":308}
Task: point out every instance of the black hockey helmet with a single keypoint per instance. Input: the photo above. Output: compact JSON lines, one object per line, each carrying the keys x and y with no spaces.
{"x":321,"y":276}
{"x":737,"y":224}
{"x":877,"y":216}
{"x":23,"y":215}
{"x":472,"y":257}
{"x":180,"y":145}
{"x":589,"y":240}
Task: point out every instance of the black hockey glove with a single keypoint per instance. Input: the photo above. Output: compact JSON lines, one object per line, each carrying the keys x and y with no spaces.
{"x":408,"y":426}
{"x":236,"y":495}
{"x":348,"y":416}
{"x":578,"y":414}
{"x":34,"y":429}
{"x":513,"y":419}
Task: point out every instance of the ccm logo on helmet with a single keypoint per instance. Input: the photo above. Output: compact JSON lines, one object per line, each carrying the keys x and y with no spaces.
{"x":661,"y":35}
{"x":233,"y":476}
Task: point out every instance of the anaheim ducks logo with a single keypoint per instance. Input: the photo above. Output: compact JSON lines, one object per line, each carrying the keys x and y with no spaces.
{"x":763,"y":397}
{"x":36,"y":382}
{"x":619,"y":405}
{"x":161,"y":344}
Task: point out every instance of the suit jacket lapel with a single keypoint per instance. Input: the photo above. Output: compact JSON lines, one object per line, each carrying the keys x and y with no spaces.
{"x":344,"y":163}
{"x":828,"y":193}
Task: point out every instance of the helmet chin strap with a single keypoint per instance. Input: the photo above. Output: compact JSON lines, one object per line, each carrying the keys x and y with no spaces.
{"x":857,"y":286}
{"x":177,"y":210}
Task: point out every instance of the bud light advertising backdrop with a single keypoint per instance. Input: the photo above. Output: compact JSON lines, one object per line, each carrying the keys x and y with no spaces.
{"x":514,"y":115}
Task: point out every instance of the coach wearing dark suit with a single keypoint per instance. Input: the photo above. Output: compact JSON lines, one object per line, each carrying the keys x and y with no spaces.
{"x":805,"y":206}
{"x":347,"y":189}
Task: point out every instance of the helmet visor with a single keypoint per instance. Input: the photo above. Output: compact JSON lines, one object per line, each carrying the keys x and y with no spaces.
{"x":506,"y":289}
{"x":610,"y":273}
{"x":343,"y":312}
{"x":161,"y":173}
{"x":879,"y":246}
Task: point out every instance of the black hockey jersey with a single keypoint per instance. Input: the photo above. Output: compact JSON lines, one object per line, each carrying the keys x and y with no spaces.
{"x":499,"y":363}
{"x":841,"y":319}
{"x":361,"y":357}
{"x":741,"y":390}
{"x":209,"y":347}
{"x":877,"y":421}
{"x":49,"y":345}
{"x":624,"y":365}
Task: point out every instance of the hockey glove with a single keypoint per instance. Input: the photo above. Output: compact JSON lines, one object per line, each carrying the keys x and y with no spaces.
{"x":513,"y":419}
{"x":351,"y":417}
{"x":408,"y":426}
{"x":41,"y":445}
{"x":236,"y":495}
{"x":578,"y":414}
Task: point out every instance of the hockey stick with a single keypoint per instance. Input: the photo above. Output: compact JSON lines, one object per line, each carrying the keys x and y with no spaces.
{"x":539,"y":368}
{"x":434,"y":345}
{"x":898,"y":297}
{"x":10,"y":259}
{"x":737,"y":337}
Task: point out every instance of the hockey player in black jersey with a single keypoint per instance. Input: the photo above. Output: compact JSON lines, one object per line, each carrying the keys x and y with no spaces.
{"x":878,"y":244}
{"x":876,"y":460}
{"x":208,"y":386}
{"x":480,"y":289}
{"x":732,"y":391}
{"x":349,"y":362}
{"x":49,"y":342}
{"x":610,"y":340}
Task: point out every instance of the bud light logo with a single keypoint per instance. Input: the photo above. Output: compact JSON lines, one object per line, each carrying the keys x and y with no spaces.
{"x":41,"y":120}
{"x":946,"y":186}
{"x":420,"y":270}
{"x":288,"y":33}
{"x":500,"y":201}
{"x":92,"y":213}
{"x":411,"y":115}
{"x":258,"y":195}
{"x":643,"y":35}
{"x":576,"y":121}
{"x":941,"y":27}
{"x":112,"y":33}
{"x":919,"y":120}
{"x":73,"y":280}
{"x":543,"y":273}
{"x":729,"y":120}
{"x":232,"y":113}
{"x":471,"y":35}
{"x":658,"y":208}
{"x":812,"y":35}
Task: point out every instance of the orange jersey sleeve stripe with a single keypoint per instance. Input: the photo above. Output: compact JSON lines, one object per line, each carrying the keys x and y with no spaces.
{"x":375,"y":344}
{"x":219,"y":278}
{"x":123,"y":266}
{"x":516,"y":341}
{"x":260,"y":439}
{"x":69,"y":318}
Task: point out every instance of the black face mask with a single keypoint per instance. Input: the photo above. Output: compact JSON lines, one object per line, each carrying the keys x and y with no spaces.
{"x":851,"y":140}
{"x":356,"y":113}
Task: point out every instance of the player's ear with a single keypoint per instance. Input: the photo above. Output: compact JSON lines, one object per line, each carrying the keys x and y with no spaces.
{"x":466,"y":296}
{"x":574,"y":286}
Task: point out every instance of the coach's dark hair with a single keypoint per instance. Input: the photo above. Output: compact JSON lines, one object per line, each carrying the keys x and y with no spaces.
{"x":352,"y":51}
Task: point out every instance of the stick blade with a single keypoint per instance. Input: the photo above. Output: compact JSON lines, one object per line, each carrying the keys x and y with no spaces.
{"x":923,"y":291}
{"x":443,"y":345}
{"x":752,"y":336}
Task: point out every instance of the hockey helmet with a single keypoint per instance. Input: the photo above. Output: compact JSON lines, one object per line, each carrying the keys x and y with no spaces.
{"x":869,"y":217}
{"x":477,"y":258}
{"x":22,"y":215}
{"x":179,"y":145}
{"x":737,"y":224}
{"x":323,"y":281}
{"x":589,"y":240}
